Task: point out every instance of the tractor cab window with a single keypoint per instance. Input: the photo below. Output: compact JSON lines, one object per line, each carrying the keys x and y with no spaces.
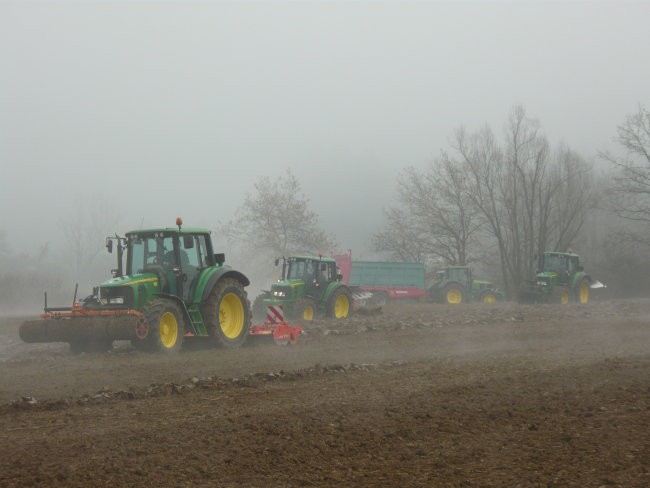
{"x":326,"y":271}
{"x":150,"y":251}
{"x":555,"y":263}
{"x":458,"y":274}
{"x":298,"y":269}
{"x":190,"y":252}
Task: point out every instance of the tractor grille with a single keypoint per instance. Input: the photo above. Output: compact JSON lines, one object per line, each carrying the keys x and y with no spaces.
{"x":116,"y":296}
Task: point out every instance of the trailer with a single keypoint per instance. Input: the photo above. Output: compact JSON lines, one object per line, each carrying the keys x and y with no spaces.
{"x":391,"y":279}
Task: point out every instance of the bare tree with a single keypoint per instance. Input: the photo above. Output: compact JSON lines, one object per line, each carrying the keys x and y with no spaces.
{"x":275,"y":220}
{"x":435,"y":218}
{"x":630,"y":192}
{"x":531,"y":199}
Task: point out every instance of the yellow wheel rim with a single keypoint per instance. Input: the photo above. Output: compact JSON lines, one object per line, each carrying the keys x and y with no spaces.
{"x":231,"y":316}
{"x":584,"y":293}
{"x":168,"y":330}
{"x":564,"y":298}
{"x":489,"y":298}
{"x":454,"y":296}
{"x":341,"y":307}
{"x":308,"y":313}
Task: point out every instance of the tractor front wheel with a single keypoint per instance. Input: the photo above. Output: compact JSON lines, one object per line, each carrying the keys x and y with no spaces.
{"x":489,"y":297}
{"x":340,"y":304}
{"x":453,"y":294}
{"x":561,"y":295}
{"x":165,"y":327}
{"x":305,"y":309}
{"x":228,"y":313}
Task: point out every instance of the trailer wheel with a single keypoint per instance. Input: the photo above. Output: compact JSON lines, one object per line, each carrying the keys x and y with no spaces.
{"x":166,"y":327}
{"x":339,"y":305}
{"x":304,"y":309}
{"x":228,"y":313}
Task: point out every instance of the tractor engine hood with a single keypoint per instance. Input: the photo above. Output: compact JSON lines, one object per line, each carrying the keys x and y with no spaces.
{"x":124,"y":290}
{"x":286,"y":288}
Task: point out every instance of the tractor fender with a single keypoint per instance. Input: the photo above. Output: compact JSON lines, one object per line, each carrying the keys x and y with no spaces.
{"x":181,"y":304}
{"x":578,"y":277}
{"x":217,"y":275}
{"x":335,"y":285}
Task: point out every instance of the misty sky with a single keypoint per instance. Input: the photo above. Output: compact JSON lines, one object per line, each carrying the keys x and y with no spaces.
{"x":176,"y":108}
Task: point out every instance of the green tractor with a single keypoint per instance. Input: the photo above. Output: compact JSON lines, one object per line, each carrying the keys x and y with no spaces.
{"x":310,"y":287}
{"x":560,"y":278}
{"x":454,"y":285}
{"x":173,"y":287}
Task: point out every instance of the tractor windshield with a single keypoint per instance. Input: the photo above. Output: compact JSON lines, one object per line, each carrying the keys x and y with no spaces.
{"x":146,"y":251}
{"x":555,"y":263}
{"x":299,"y":268}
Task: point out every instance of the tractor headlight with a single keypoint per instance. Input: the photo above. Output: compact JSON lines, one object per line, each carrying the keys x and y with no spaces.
{"x":279,"y":294}
{"x":542,"y":283}
{"x":116,"y":300}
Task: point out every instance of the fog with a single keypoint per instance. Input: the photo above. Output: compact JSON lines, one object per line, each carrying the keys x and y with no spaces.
{"x":171,"y":108}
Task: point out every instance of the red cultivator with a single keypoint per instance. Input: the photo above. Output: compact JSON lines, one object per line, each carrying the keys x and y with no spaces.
{"x":276,"y":326}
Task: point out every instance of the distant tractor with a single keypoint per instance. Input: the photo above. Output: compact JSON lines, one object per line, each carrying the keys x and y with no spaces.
{"x":310,"y":287}
{"x":560,"y":278}
{"x":454,"y":285}
{"x":173,"y":287}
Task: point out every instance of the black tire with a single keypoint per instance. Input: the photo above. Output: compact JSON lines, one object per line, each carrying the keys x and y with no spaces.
{"x":228,"y":313}
{"x":304,"y":309}
{"x":454,"y":294}
{"x":166,"y":326}
{"x":336,"y":308}
{"x":259,"y":310}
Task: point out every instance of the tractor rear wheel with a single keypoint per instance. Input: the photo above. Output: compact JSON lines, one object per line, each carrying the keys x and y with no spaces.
{"x":582,"y":291}
{"x":340,"y":303}
{"x":166,"y":327}
{"x":304,"y":309}
{"x":228,"y":313}
{"x":453,"y":294}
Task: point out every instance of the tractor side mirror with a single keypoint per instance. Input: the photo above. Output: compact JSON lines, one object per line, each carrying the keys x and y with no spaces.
{"x":220,"y":258}
{"x":277,"y":261}
{"x":109,"y":244}
{"x":188,"y":242}
{"x":580,"y":268}
{"x":339,"y":277}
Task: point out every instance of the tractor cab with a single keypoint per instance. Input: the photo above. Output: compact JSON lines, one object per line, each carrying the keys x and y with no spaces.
{"x":558,"y":267}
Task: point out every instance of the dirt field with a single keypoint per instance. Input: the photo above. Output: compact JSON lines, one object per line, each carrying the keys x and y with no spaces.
{"x":421,"y":395}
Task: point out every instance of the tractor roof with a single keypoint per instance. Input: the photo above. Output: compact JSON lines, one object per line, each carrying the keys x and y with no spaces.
{"x":455,"y":267}
{"x":555,"y":253}
{"x":314,"y":258}
{"x":170,"y":230}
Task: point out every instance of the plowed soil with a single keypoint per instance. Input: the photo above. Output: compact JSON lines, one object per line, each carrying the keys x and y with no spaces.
{"x":420,"y":395}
